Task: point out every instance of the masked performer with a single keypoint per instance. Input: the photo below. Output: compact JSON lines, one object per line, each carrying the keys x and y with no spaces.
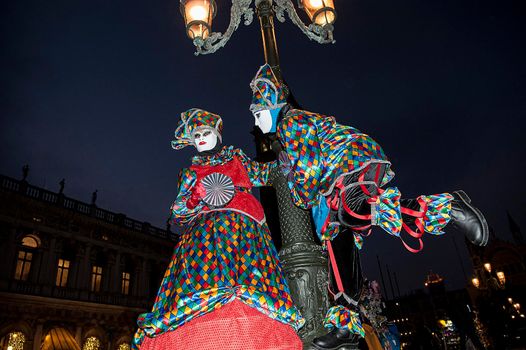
{"x":340,"y":173}
{"x":224,"y":287}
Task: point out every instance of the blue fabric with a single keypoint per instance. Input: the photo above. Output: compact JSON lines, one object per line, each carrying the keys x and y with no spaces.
{"x":320,"y":213}
{"x":274,"y":113}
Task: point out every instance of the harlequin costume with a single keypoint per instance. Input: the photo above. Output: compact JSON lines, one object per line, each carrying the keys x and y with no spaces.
{"x":341,"y":173}
{"x":225,"y":268}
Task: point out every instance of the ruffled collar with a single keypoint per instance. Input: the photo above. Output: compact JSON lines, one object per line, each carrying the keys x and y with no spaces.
{"x":223,"y":156}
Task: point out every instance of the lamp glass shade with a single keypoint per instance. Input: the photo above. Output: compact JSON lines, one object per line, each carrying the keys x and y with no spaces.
{"x":198,"y":15}
{"x":320,"y":12}
{"x":475,"y":282}
{"x":487,"y":266}
{"x":501,"y":277}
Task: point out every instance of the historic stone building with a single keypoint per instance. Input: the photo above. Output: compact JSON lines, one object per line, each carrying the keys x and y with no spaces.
{"x":498,"y":288}
{"x":72,"y":275}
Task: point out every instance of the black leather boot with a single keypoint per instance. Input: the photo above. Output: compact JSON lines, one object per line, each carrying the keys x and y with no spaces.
{"x":338,"y":338}
{"x":468,"y":219}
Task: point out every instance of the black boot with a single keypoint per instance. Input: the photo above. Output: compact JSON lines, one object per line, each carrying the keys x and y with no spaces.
{"x":338,"y":338}
{"x":468,"y":219}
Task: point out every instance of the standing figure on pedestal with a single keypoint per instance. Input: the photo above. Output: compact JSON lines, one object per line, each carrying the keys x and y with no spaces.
{"x":224,"y":287}
{"x":340,"y":173}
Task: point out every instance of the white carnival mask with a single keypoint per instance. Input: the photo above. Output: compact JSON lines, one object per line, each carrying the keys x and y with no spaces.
{"x":204,"y":140}
{"x":263,"y":120}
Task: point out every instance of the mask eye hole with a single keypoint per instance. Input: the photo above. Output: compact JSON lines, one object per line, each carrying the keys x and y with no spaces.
{"x":206,"y":133}
{"x":197,"y":135}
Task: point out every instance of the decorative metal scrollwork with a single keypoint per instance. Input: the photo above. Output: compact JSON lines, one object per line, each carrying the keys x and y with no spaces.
{"x":241,"y":9}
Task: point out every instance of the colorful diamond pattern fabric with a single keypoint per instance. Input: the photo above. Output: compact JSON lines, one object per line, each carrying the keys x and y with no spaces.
{"x":320,"y":151}
{"x":267,"y":91}
{"x":437,"y":215}
{"x":339,"y":316}
{"x":221,"y":257}
{"x":192,"y":120}
{"x":386,"y":211}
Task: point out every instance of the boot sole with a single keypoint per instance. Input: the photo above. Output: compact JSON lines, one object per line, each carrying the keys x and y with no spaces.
{"x":485,"y":228}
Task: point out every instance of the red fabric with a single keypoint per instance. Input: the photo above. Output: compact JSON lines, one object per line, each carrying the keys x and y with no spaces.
{"x":334,"y":267}
{"x":197,"y":193}
{"x":243,"y":202}
{"x":234,"y":326}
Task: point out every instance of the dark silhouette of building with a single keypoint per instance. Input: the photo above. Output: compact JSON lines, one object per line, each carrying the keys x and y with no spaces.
{"x":498,"y":288}
{"x":432,"y":317}
{"x":73,"y":275}
{"x":488,"y":313}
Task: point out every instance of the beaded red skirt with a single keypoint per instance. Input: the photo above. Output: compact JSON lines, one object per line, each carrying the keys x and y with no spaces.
{"x":234,"y":326}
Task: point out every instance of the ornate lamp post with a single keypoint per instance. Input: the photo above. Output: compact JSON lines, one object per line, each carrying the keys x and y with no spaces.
{"x":303,"y":260}
{"x":198,"y":15}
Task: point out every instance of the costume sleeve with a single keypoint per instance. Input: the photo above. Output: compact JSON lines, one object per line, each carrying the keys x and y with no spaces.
{"x":180,"y":212}
{"x":299,"y":137}
{"x":258,"y":173}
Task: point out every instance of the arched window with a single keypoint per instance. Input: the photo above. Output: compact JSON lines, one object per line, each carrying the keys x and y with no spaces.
{"x":91,"y":343}
{"x":15,"y":341}
{"x":25,"y":256}
{"x":30,"y":241}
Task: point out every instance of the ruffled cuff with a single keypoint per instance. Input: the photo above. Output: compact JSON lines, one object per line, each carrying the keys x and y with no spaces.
{"x":340,"y":317}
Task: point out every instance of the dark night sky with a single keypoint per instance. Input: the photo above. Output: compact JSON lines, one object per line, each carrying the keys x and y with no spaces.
{"x":92,"y":91}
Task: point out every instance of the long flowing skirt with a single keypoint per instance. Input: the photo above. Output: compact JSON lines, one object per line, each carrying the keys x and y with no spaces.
{"x":221,"y":257}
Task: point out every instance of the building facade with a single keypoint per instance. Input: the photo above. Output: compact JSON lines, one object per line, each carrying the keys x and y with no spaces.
{"x":498,"y":288}
{"x":72,"y":275}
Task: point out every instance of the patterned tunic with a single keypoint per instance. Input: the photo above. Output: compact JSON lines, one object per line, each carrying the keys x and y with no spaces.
{"x":320,"y":151}
{"x":224,"y":254}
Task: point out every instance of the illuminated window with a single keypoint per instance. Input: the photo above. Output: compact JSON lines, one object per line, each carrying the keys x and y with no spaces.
{"x":125,"y":289}
{"x":92,"y":343}
{"x":62,"y":273}
{"x":29,"y":241}
{"x":124,"y":346}
{"x":96,"y":278}
{"x":16,"y":341}
{"x":23,"y":264}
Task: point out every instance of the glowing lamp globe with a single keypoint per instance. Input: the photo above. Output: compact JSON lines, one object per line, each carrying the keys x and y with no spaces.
{"x":320,"y":12}
{"x":198,"y":15}
{"x":501,"y":277}
{"x":487,"y":266}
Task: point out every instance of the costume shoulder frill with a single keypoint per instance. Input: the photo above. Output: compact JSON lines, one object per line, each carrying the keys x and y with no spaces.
{"x":224,"y":155}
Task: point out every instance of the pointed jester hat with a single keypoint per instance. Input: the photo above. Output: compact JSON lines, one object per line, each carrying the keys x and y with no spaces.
{"x":267,"y":91}
{"x":195,"y":120}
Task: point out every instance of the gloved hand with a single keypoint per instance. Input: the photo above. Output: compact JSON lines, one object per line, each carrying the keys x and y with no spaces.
{"x":198,"y":192}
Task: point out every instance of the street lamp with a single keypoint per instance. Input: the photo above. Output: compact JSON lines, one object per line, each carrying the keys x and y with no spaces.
{"x":198,"y":15}
{"x":476,"y":282}
{"x":320,"y":12}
